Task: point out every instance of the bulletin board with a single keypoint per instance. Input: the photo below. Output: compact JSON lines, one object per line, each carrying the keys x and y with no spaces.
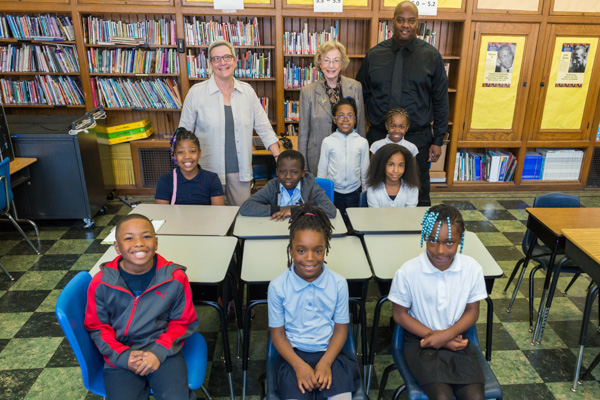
{"x":441,"y":3}
{"x":512,"y":5}
{"x":245,"y":1}
{"x":347,"y":3}
{"x":494,"y":103}
{"x":559,"y":96}
{"x":590,"y":6}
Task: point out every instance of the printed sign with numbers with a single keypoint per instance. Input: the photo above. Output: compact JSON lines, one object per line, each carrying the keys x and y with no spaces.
{"x":426,"y":7}
{"x":328,"y":6}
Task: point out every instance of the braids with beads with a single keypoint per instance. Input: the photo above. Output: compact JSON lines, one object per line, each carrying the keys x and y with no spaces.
{"x":309,"y":217}
{"x":179,"y":135}
{"x":443,"y":214}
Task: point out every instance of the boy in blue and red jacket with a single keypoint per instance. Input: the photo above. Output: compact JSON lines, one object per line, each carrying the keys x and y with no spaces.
{"x":139,"y":312}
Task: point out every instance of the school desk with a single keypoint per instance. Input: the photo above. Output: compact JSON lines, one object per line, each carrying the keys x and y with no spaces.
{"x":583,"y":247}
{"x":207,"y":259}
{"x":266,"y":228}
{"x":387,"y":253}
{"x":546,"y":224}
{"x":19,"y":170}
{"x":367,"y":220}
{"x":190,"y":219}
{"x":264,"y":260}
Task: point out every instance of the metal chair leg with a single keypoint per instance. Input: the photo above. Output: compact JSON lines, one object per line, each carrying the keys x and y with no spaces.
{"x":206,"y":392}
{"x":531,"y":275}
{"x":517,"y":286}
{"x":12,"y":220}
{"x":513,"y":273}
{"x":384,"y":379}
{"x":7,"y":273}
{"x":571,"y":283}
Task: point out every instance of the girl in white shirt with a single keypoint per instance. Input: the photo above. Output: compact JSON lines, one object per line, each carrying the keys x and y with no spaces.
{"x":393,"y":178}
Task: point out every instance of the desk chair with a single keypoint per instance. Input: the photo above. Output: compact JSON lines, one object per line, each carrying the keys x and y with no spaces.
{"x":541,"y":254}
{"x":274,"y":360}
{"x":414,"y":391}
{"x":7,"y":273}
{"x":6,"y":198}
{"x":70,"y":312}
{"x":327,"y":186}
{"x":363,"y":202}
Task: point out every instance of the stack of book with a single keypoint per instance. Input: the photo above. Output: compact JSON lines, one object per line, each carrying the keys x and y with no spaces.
{"x":125,"y":132}
{"x":42,"y":27}
{"x":556,"y":164}
{"x":200,"y":33}
{"x":37,"y":58}
{"x":98,"y":31}
{"x":492,"y":166}
{"x":308,"y":43}
{"x":385,"y":32}
{"x":291,"y":111}
{"x":133,"y":61}
{"x":125,"y":41}
{"x":136,"y":94}
{"x":296,"y":77}
{"x":44,"y":90}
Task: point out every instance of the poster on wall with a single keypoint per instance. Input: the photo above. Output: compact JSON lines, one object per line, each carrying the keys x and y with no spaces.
{"x":571,"y":67}
{"x":499,"y":62}
{"x":328,"y":6}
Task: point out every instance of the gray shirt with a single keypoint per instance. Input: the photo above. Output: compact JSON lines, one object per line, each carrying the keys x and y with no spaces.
{"x":231,"y":159}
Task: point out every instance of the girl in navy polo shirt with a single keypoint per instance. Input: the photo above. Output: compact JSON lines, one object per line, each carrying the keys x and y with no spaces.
{"x":188,"y":183}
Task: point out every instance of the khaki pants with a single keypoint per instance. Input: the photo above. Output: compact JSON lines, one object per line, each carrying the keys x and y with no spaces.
{"x":236,"y":191}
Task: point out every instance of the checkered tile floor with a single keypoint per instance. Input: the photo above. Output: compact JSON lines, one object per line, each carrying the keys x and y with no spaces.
{"x":36,"y":361}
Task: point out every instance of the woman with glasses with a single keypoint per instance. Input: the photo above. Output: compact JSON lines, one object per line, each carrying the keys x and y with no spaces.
{"x":222,"y":112}
{"x":317,"y":99}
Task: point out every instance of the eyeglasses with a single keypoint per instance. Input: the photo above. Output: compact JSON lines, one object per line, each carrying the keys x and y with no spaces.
{"x":226,"y":58}
{"x":344,"y":117}
{"x":335,"y":61}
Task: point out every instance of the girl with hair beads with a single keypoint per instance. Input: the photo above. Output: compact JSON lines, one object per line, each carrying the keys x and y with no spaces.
{"x":188,"y":183}
{"x":397,"y":122}
{"x":393,"y":178}
{"x":436,"y":299}
{"x":308,"y":315}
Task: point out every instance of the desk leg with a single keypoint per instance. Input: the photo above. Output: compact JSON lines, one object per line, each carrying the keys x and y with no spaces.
{"x":591,"y":296}
{"x":555,"y":276}
{"x":246,"y":342}
{"x":237,"y":307}
{"x":488,"y":328}
{"x":226,"y":350}
{"x":544,"y":297}
{"x":376,"y":317}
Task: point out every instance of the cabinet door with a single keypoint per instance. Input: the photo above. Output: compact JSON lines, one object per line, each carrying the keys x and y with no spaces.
{"x":500,"y":68}
{"x":567,"y":89}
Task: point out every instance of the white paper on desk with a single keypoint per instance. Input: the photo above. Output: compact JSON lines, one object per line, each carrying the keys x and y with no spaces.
{"x":110,"y":238}
{"x":228,"y":4}
{"x":328,"y":6}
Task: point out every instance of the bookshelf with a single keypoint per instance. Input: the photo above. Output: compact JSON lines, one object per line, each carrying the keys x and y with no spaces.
{"x":458,"y":31}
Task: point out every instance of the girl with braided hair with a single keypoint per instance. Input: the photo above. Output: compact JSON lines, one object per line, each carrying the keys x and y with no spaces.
{"x":308,"y":315}
{"x":436,"y":299}
{"x":188,"y":183}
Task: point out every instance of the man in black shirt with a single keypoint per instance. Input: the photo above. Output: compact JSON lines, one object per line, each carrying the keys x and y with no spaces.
{"x":407,"y":72}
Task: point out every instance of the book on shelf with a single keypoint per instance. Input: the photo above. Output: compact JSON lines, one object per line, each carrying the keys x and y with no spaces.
{"x":133,"y":61}
{"x":39,"y":58}
{"x":43,"y":90}
{"x":491,"y":166}
{"x":43,"y":27}
{"x":308,"y":43}
{"x":137,"y":93}
{"x":291,"y":130}
{"x":297,"y":77}
{"x":249,"y":65}
{"x":153,"y":32}
{"x":385,"y":32}
{"x":264,"y":102}
{"x":560,"y":164}
{"x":292,"y":110}
{"x":203,"y":33}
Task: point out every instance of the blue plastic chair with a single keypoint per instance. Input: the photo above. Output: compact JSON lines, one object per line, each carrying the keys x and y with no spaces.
{"x":363,"y":202}
{"x":541,"y":253}
{"x":70,"y":312}
{"x":412,"y":388}
{"x":6,"y":198}
{"x":327,"y":186}
{"x":274,"y":360}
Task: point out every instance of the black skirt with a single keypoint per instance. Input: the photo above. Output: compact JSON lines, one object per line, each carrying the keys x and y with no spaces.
{"x":443,"y":365}
{"x":343,"y":371}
